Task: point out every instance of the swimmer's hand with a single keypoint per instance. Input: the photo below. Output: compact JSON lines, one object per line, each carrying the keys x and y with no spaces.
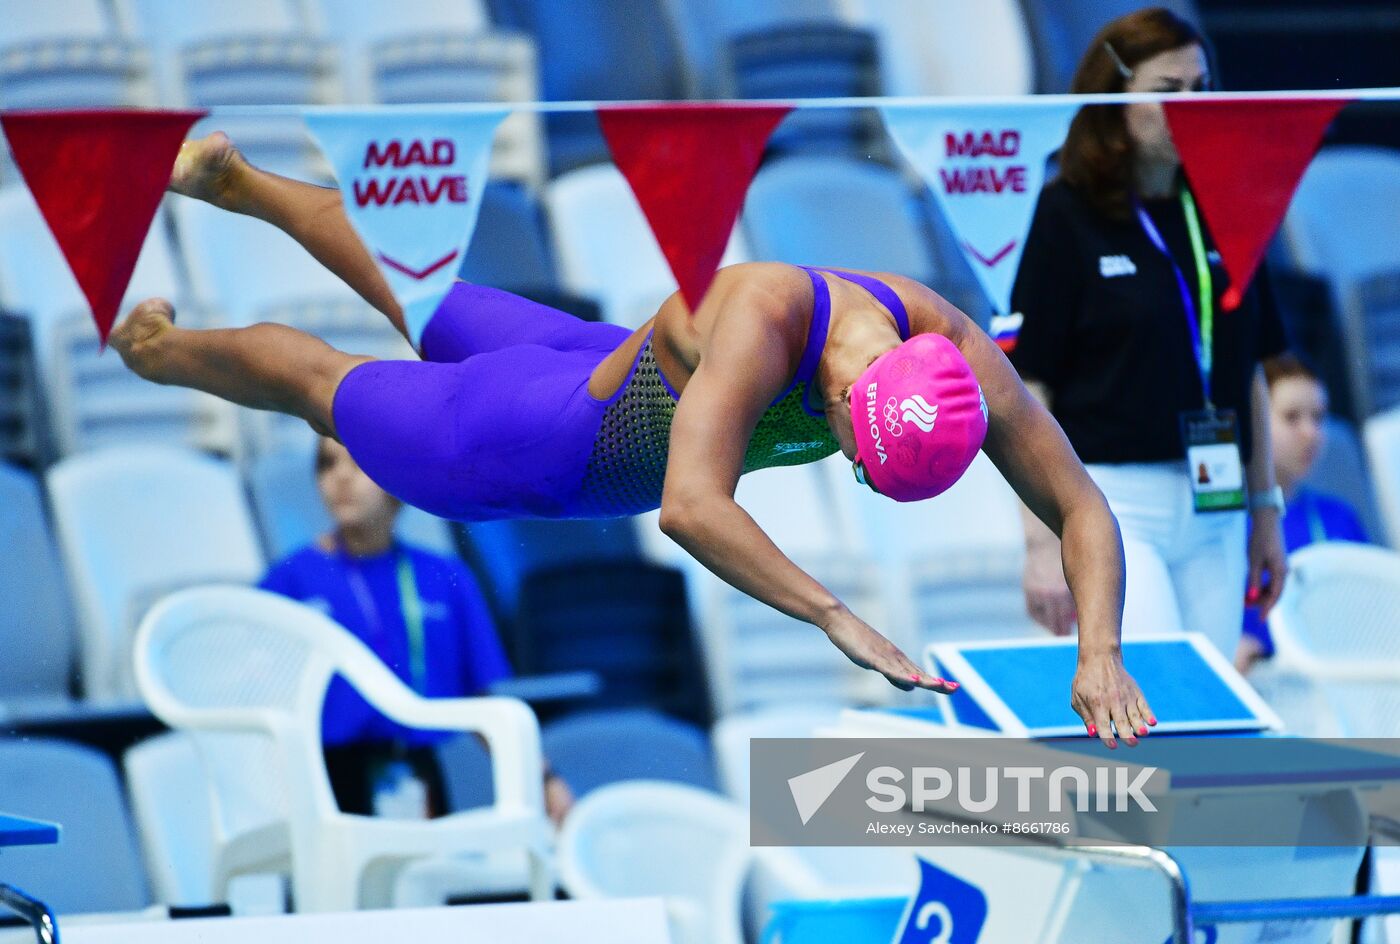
{"x":869,"y":650}
{"x":1106,"y":697}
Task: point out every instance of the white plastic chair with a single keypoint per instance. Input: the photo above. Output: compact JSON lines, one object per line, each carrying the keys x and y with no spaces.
{"x":1382,"y":435}
{"x":644,"y":838}
{"x":234,"y":659}
{"x":605,"y":248}
{"x":948,"y":47}
{"x":1335,"y":637}
{"x":136,"y":522}
{"x":756,"y":656}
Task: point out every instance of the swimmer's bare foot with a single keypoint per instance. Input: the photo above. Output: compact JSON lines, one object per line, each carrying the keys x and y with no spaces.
{"x":208,"y":169}
{"x":138,"y":338}
{"x":869,"y":650}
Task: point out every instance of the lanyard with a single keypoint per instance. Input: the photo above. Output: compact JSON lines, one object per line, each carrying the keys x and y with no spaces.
{"x":410,"y":604}
{"x":1317,"y":531}
{"x":1200,"y":319}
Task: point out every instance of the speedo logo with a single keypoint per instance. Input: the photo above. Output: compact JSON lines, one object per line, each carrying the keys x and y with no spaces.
{"x":920,"y":412}
{"x":787,"y":448}
{"x":872,"y":397}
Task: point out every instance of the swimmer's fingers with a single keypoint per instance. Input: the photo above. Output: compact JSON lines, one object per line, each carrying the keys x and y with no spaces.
{"x":870,"y":650}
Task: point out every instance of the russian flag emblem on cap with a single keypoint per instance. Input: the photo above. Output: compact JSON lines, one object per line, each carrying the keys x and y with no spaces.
{"x":1005,"y":329}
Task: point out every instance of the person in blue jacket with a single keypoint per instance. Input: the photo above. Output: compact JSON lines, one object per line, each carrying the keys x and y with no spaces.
{"x":1297,"y":409}
{"x":422,"y":613}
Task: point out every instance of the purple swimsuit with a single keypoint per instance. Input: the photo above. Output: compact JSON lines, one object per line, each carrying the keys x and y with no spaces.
{"x":497,"y":422}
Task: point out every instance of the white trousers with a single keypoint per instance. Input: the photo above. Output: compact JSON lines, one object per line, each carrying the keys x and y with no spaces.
{"x":1186,"y":572}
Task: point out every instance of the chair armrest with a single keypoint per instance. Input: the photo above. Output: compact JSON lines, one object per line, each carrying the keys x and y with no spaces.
{"x":264,"y":849}
{"x":555,"y":686}
{"x":508,"y":726}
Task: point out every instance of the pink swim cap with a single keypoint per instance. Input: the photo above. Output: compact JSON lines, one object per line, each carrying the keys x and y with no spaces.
{"x":919,"y":417}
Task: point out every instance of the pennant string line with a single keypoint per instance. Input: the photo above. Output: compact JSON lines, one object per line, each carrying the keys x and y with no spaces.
{"x":1048,"y":101}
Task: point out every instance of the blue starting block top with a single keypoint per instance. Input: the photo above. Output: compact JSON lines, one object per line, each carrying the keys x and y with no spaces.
{"x":18,"y":831}
{"x":1022,"y":687}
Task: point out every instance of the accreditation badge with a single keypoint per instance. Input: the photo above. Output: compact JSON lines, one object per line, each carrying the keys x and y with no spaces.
{"x":1212,"y":439}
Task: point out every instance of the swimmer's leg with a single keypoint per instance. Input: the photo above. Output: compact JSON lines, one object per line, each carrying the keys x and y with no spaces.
{"x":265,"y":366}
{"x":211,"y":169}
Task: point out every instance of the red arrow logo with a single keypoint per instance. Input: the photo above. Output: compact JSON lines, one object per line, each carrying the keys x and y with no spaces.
{"x":1000,"y":255}
{"x":418,"y":274}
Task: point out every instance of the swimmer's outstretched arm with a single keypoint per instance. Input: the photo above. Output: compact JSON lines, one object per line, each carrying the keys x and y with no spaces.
{"x":746,"y":362}
{"x":1031,"y":451}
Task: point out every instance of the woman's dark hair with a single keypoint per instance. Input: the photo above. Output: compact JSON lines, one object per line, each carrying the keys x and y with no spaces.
{"x":1097,"y":157}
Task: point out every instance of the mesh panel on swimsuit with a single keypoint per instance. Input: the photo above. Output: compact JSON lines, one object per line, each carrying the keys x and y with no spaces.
{"x":628,"y":465}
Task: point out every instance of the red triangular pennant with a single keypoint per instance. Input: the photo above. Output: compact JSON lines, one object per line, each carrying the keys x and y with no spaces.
{"x":1244,"y":160}
{"x":98,"y":177}
{"x":690,"y":166}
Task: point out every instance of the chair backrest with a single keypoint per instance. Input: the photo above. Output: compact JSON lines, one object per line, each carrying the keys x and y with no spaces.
{"x":93,"y":398}
{"x":1061,"y":31}
{"x":704,"y":26}
{"x":945,"y":47}
{"x":35,"y":279}
{"x":234,"y":659}
{"x":1382,"y":433}
{"x":954,"y":560}
{"x":479,"y":67}
{"x":592,"y":749}
{"x":25,"y":436}
{"x":838,"y":211}
{"x":732,"y":734}
{"x":36,"y":622}
{"x":980,"y":512}
{"x":96,"y":866}
{"x":291,"y":514}
{"x":1337,"y":225}
{"x":509,"y":248}
{"x":203,"y":55}
{"x":1338,"y":608}
{"x":580,"y":45}
{"x":137,"y":522}
{"x":358,"y":26}
{"x":170,"y":803}
{"x":606,"y":250}
{"x":646,"y":838}
{"x":812,"y":60}
{"x":1342,"y":470}
{"x":1371,"y":329}
{"x":98,"y":402}
{"x":626,"y":620}
{"x":244,"y":266}
{"x":27,"y":22}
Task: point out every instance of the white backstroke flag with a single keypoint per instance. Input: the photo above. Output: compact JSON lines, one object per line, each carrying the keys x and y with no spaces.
{"x":985,"y":165}
{"x":412,"y":184}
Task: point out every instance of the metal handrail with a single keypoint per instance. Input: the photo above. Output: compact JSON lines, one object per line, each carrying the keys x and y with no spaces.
{"x":38,"y":914}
